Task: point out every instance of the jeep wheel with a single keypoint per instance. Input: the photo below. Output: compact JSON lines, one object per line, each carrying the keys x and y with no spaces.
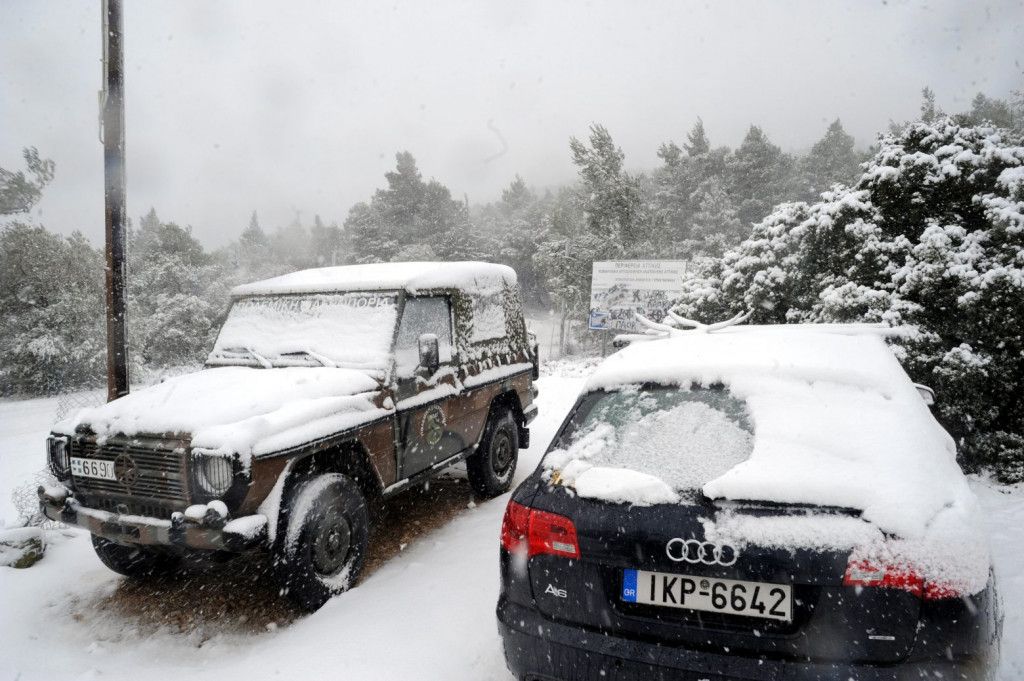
{"x":133,"y":561}
{"x":322,"y":550}
{"x":491,"y":466}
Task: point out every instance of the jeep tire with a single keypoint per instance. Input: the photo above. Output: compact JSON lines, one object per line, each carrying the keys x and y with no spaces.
{"x":491,"y":467}
{"x":324,"y":543}
{"x":134,"y":561}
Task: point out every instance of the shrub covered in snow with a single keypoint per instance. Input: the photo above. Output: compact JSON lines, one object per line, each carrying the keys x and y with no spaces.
{"x":931,"y":236}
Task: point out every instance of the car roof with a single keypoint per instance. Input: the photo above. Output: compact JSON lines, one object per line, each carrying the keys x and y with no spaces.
{"x":854,"y":356}
{"x":481,"y":278}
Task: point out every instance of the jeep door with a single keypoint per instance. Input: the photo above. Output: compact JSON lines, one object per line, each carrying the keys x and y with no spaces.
{"x":425,"y":398}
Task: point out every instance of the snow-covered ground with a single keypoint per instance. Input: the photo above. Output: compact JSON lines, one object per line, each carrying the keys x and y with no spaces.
{"x":426,"y":614}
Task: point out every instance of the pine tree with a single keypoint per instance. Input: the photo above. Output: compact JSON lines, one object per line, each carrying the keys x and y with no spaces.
{"x":930,"y":237}
{"x":716,"y":226}
{"x":988,"y":110}
{"x":670,"y":154}
{"x":408,"y":220}
{"x":253,"y":236}
{"x":611,"y":197}
{"x":831,"y":160}
{"x":51,"y":311}
{"x":18,"y":193}
{"x":759,"y":176}
{"x":929,"y":110}
{"x":697,"y":140}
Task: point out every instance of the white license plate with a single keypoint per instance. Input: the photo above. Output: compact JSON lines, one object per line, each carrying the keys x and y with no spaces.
{"x":92,"y":468}
{"x":731,"y":596}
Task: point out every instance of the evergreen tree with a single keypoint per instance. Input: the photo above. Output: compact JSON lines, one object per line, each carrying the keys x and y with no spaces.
{"x":759,"y":176}
{"x":408,"y":220}
{"x":611,"y":197}
{"x":176,"y":293}
{"x":716,"y":226}
{"x":670,"y":154}
{"x":326,"y":243}
{"x":929,"y":237}
{"x":929,"y":110}
{"x":831,"y":160}
{"x":993,"y":111}
{"x":51,"y":311}
{"x":697,"y":141}
{"x":18,"y":193}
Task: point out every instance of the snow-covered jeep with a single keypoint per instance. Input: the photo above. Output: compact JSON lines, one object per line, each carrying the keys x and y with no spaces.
{"x":326,"y":390}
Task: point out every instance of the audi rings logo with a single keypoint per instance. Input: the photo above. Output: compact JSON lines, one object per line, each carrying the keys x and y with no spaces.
{"x":700,"y":552}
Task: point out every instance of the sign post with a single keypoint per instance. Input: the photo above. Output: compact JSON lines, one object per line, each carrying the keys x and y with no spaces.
{"x":621,"y":288}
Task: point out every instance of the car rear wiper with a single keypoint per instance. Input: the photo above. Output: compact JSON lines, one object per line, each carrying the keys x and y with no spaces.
{"x":776,"y":507}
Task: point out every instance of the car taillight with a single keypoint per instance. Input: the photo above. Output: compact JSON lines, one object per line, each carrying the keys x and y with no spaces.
{"x":538,"y":532}
{"x":866,"y":573}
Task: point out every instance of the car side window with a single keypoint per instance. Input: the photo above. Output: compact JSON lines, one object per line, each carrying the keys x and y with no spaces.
{"x":422,"y":315}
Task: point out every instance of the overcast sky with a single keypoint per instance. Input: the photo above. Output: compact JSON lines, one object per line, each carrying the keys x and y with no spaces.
{"x":300,"y":106}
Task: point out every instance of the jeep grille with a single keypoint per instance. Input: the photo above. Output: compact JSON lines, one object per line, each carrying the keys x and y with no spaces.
{"x":158,"y":486}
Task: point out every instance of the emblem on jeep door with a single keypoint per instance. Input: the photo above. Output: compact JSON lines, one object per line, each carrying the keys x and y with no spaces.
{"x":432,"y":428}
{"x":126,"y":470}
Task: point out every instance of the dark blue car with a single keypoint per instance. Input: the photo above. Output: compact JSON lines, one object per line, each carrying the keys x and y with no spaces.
{"x":750,"y":504}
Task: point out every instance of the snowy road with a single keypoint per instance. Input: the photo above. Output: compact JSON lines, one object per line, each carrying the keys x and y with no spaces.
{"x":426,"y":614}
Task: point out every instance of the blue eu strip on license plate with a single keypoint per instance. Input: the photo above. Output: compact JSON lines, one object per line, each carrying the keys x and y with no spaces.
{"x":629,"y":586}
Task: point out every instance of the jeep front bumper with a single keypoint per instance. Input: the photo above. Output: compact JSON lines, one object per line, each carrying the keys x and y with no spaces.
{"x":208,"y":531}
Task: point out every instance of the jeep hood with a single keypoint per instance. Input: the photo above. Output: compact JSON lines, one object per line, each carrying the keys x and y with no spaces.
{"x":241,"y":410}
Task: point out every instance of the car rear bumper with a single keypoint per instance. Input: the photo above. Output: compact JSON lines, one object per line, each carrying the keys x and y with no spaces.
{"x":537,"y":649}
{"x":210,"y":534}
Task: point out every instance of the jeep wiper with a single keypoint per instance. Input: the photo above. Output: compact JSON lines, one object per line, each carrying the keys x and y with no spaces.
{"x":264,"y":362}
{"x":323,"y":361}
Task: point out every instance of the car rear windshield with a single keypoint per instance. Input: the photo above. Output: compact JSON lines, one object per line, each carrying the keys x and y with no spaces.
{"x":683,"y":436}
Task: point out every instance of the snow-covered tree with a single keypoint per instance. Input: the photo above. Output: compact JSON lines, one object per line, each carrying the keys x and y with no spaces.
{"x":408,"y":220}
{"x":832,"y":160}
{"x":716,"y":226}
{"x":611,"y":197}
{"x":176,"y":294}
{"x":931,"y":236}
{"x":51,"y":311}
{"x":677,"y":190}
{"x":990,"y":110}
{"x":759,"y":176}
{"x":18,"y":192}
{"x":697,"y":141}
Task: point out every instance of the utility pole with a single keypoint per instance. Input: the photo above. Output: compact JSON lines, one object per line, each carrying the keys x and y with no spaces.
{"x":112,"y":135}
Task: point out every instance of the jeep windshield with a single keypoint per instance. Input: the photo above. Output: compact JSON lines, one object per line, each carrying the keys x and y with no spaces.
{"x":351,"y":329}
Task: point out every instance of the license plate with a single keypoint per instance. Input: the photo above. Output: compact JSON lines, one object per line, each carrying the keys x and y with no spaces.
{"x":92,"y":468}
{"x":710,"y":594}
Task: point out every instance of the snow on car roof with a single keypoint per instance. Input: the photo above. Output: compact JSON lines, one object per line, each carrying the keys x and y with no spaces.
{"x":473,"y":277}
{"x":859,"y":358}
{"x":837,"y":422}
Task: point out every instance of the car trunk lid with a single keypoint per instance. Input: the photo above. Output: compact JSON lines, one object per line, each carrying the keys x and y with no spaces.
{"x":660,"y":544}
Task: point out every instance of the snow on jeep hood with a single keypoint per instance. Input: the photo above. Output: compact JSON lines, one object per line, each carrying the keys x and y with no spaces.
{"x":240,"y":409}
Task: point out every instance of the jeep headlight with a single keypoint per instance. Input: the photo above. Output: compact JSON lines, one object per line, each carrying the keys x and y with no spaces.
{"x":57,"y":453}
{"x":213,"y":474}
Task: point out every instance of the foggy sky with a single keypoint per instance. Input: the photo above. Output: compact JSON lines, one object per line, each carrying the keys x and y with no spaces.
{"x":300,"y":106}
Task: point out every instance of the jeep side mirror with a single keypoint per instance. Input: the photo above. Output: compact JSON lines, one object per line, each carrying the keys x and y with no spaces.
{"x":430,"y":355}
{"x":926,"y":393}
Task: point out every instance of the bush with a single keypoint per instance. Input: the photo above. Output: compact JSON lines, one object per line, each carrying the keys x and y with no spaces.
{"x":931,"y":237}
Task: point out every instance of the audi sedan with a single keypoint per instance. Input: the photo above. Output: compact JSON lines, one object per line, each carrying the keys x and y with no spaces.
{"x":757,"y":503}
